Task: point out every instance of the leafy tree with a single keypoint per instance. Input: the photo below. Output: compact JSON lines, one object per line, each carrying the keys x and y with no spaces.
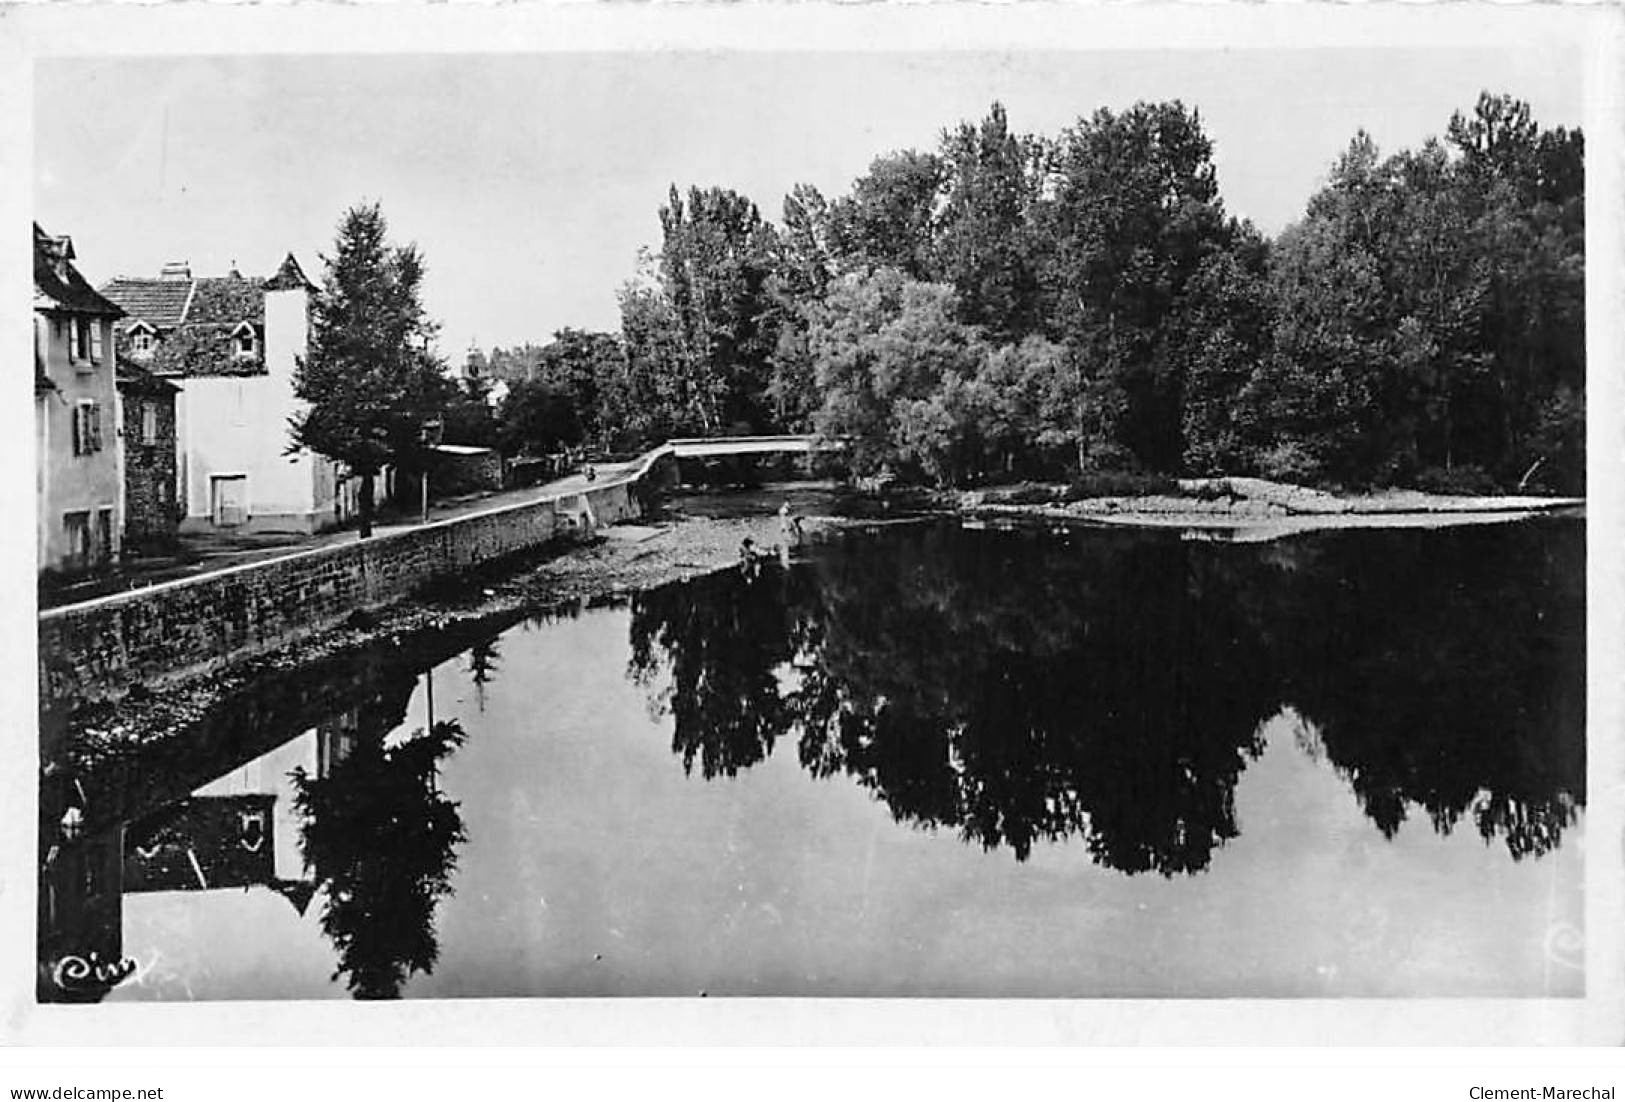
{"x":889,"y":219}
{"x":894,"y":367}
{"x":371,"y":377}
{"x":803,"y":265}
{"x":1314,"y":395}
{"x":803,"y":252}
{"x":1457,"y":270}
{"x":1027,"y":409}
{"x":714,"y":266}
{"x":1134,"y":212}
{"x":539,"y":417}
{"x":984,"y":244}
{"x":583,"y":365}
{"x":660,"y":394}
{"x":1224,"y":317}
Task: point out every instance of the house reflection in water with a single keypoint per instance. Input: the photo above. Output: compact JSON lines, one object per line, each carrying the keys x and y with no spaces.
{"x":239,"y":832}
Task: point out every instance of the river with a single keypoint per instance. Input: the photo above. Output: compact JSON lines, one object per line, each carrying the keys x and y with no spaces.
{"x":920,"y":760}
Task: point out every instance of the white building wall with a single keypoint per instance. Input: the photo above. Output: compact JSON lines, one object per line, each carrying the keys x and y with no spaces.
{"x":239,"y":426}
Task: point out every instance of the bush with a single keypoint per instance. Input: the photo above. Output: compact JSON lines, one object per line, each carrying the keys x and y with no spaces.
{"x":1467,"y":479}
{"x":1290,"y":461}
{"x":828,"y":465}
{"x":1118,"y":484}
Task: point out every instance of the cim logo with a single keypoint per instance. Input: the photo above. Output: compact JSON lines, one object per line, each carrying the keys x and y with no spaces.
{"x":78,"y":974}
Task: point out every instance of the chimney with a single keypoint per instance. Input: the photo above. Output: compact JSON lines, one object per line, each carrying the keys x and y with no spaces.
{"x":176,"y":269}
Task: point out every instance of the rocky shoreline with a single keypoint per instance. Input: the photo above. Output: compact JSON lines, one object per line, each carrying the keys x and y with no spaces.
{"x":1252,"y":508}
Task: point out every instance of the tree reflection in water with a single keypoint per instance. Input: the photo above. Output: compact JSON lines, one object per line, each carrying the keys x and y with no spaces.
{"x":1444,"y":672}
{"x":382,"y":840}
{"x":1015,"y":688}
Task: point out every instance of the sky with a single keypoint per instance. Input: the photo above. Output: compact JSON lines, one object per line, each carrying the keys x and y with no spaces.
{"x":531,"y":181}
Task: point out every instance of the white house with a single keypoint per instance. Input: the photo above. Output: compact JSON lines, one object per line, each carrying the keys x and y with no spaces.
{"x":230,"y":343}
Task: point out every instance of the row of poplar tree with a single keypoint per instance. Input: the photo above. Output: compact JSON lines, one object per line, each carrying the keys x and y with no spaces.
{"x":1013,"y":306}
{"x":1010,"y":305}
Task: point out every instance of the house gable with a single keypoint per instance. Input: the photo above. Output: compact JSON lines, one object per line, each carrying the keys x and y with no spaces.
{"x":58,"y":286}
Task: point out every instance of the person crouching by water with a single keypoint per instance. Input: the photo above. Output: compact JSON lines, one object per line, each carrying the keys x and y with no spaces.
{"x":749,"y":564}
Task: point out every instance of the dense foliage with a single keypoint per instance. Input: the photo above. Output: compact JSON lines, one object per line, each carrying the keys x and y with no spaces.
{"x":1010,"y":305}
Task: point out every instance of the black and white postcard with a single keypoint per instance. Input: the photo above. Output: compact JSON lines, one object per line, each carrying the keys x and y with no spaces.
{"x":852,"y":523}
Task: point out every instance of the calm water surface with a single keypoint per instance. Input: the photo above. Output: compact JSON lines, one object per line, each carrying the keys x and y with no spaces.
{"x":925,"y":761}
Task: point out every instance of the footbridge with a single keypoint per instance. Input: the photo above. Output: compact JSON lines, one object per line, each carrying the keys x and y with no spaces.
{"x":708,"y":447}
{"x":739,"y":454}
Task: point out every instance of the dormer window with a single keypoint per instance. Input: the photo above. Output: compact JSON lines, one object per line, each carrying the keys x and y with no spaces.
{"x":243,"y":341}
{"x":141,"y":339}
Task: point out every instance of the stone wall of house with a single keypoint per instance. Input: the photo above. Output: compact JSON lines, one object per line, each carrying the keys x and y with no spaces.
{"x":151,"y":514}
{"x":101,"y":647}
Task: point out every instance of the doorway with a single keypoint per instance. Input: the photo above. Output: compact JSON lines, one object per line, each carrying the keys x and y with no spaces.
{"x":228,"y":499}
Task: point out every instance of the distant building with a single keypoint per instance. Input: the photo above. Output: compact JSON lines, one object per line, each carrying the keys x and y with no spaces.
{"x":151,"y":469}
{"x":79,"y":522}
{"x":230,"y":343}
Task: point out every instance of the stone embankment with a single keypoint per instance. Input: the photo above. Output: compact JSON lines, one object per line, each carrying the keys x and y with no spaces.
{"x":197,"y":625}
{"x":100,"y":728}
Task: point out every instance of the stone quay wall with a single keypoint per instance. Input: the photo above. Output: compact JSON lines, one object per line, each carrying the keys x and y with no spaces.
{"x":99,"y":648}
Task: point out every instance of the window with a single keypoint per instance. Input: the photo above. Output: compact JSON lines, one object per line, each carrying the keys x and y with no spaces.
{"x":149,"y":421}
{"x":87,"y":428}
{"x":141,"y":341}
{"x":79,"y":342}
{"x":95,"y":327}
{"x":76,"y":527}
{"x":243,"y":341}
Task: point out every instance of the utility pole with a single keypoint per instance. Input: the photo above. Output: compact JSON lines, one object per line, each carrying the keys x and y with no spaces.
{"x":433,"y":429}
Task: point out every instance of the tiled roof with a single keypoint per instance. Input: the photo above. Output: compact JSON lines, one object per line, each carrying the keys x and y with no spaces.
{"x":58,"y":284}
{"x":197,"y":318}
{"x":227,"y":300}
{"x":159,"y":302}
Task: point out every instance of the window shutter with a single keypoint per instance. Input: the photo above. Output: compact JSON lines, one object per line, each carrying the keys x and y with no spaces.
{"x":96,"y":340}
{"x":78,"y":430}
{"x":96,"y":422}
